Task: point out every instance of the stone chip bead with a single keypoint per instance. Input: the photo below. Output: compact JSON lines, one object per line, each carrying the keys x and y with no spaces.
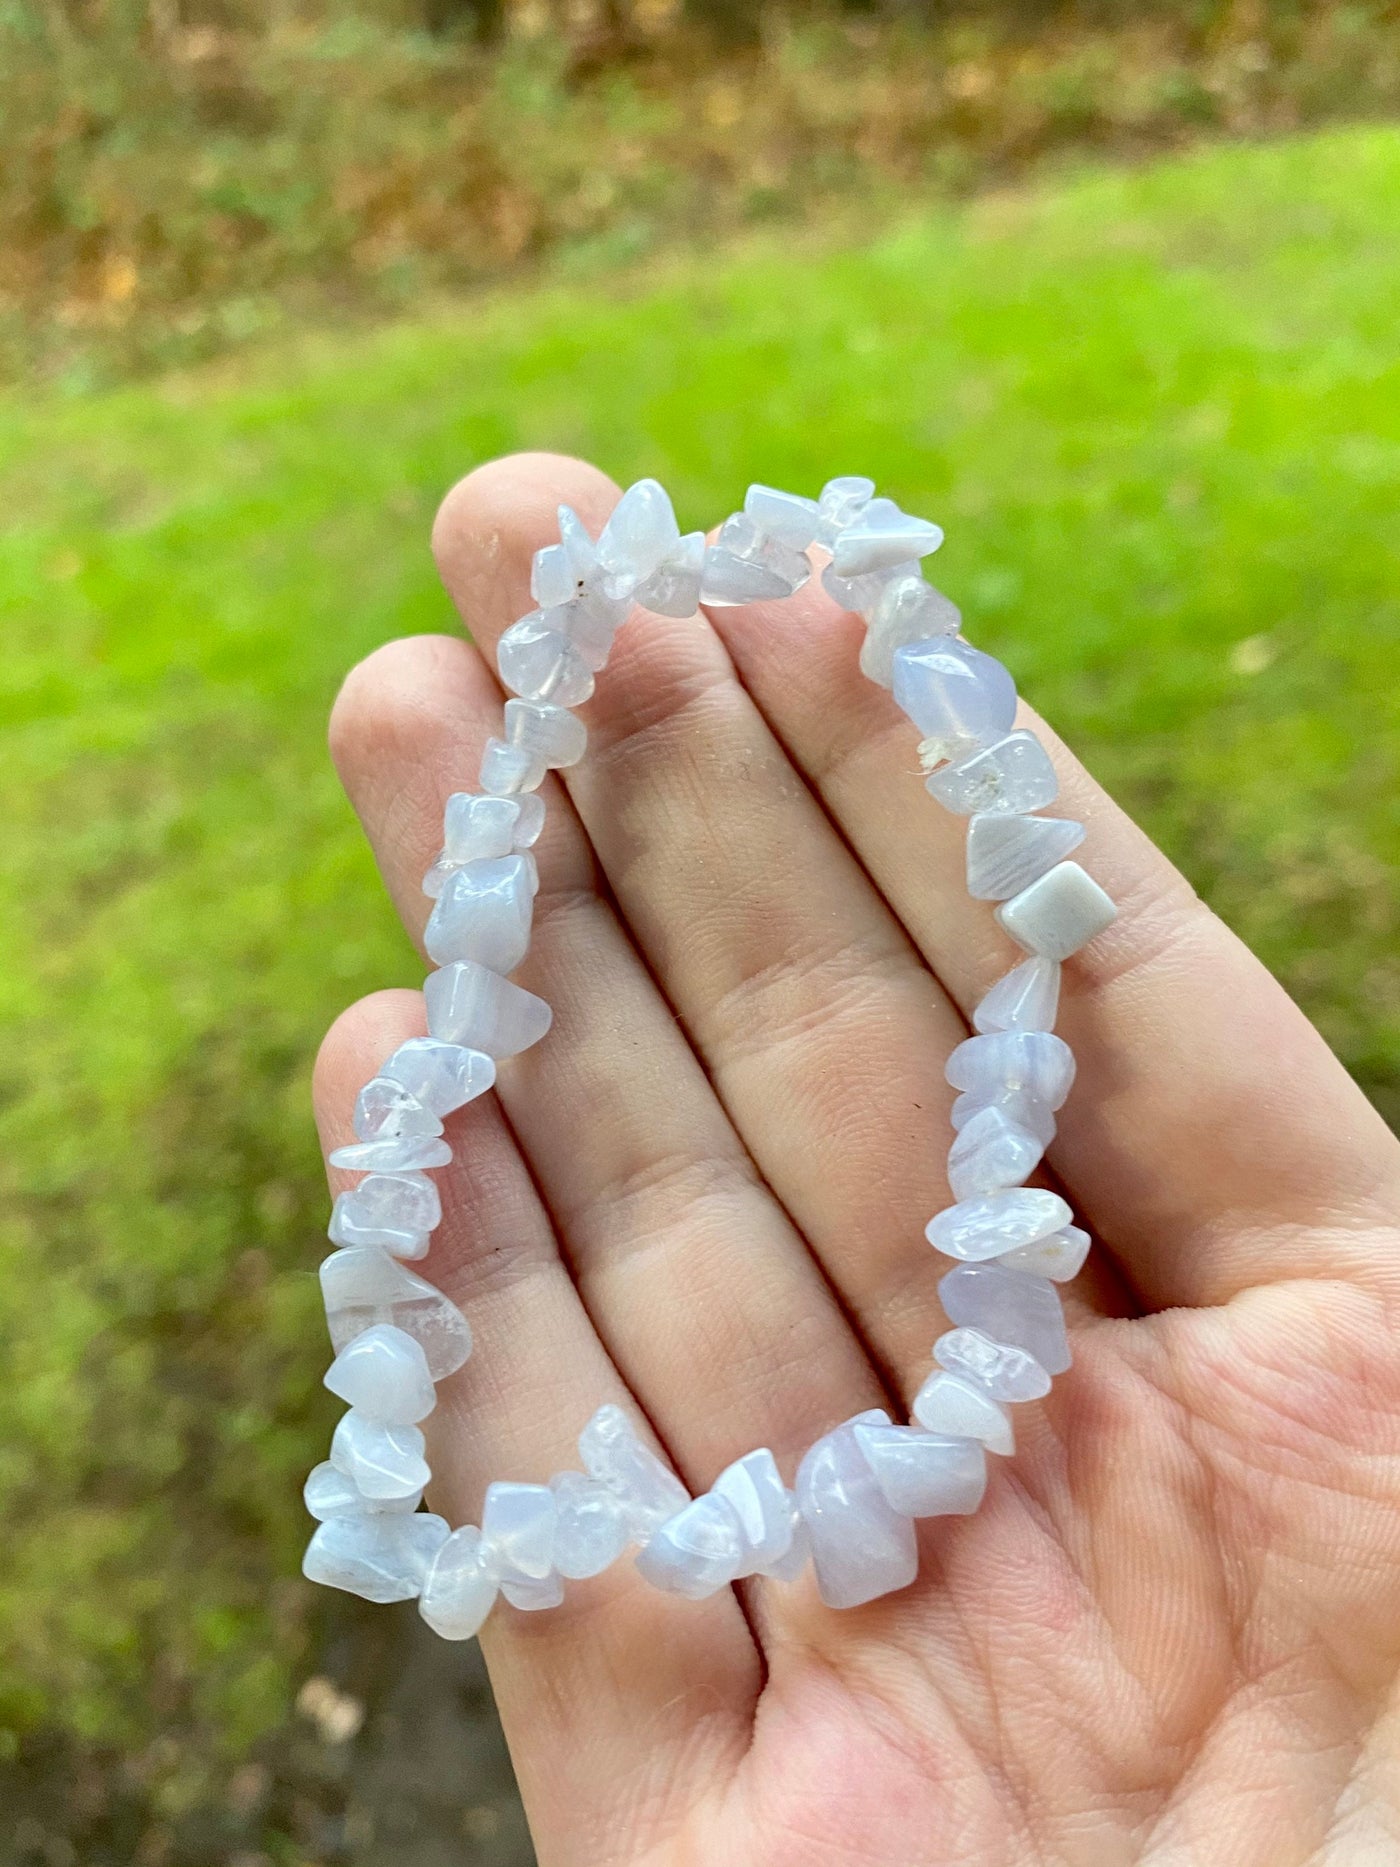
{"x":537,"y":661}
{"x":1059,"y":1257}
{"x":380,"y":1558}
{"x":906,"y":609}
{"x":881,"y":535}
{"x":754,"y":1489}
{"x":442,"y":1076}
{"x":590,"y":1530}
{"x":1013,"y":775}
{"x":551,"y":735}
{"x":1025,"y":999}
{"x":842,"y":501}
{"x":517,"y":1530}
{"x":696,"y":1552}
{"x":976,"y":1229}
{"x":861,"y":1547}
{"x":1059,"y":913}
{"x":1006,"y":1373}
{"x":958,"y":697}
{"x":1037,"y":1063}
{"x":532,"y":1594}
{"x":1009,"y":1306}
{"x":363,"y":1287}
{"x":329,"y":1493}
{"x":1027,"y":1111}
{"x":346,"y":1228}
{"x":483,"y":914}
{"x":469,"y":1004}
{"x":507,"y":770}
{"x":475,"y":827}
{"x":991,"y":1152}
{"x":459,"y":1589}
{"x":384,"y":1109}
{"x":381,"y":1461}
{"x":383,"y":1374}
{"x":788,"y":517}
{"x":924,"y":1474}
{"x":958,"y":1409}
{"x":1006,"y":853}
{"x":612,"y":1453}
{"x":745,"y":565}
{"x":400,"y":1153}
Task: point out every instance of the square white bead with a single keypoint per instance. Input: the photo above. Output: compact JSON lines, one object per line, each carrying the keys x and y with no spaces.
{"x":1059,"y":913}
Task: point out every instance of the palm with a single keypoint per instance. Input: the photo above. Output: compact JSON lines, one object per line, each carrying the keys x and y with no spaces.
{"x":1171,"y":1632}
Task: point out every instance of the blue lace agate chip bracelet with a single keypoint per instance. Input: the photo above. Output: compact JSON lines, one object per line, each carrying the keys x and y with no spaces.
{"x":857,"y":1492}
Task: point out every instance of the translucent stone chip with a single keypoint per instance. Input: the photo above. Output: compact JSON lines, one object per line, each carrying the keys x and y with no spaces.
{"x":924,"y":1474}
{"x":1025,"y":999}
{"x":788,"y":517}
{"x":697,"y":1551}
{"x":976,"y":1229}
{"x":1058,"y":914}
{"x":476,"y":827}
{"x":363,"y":1286}
{"x":1059,"y":1257}
{"x":381,"y":1461}
{"x":1005,"y":854}
{"x":329,"y":1493}
{"x":612,"y":1453}
{"x":507,"y":770}
{"x":404,"y":1153}
{"x":754,"y":1489}
{"x":865,"y":594}
{"x":1038,"y":1063}
{"x":841,"y":503}
{"x":442,"y":1076}
{"x":949,"y":1405}
{"x":1026,"y":1111}
{"x":384,"y":1109}
{"x":383,"y":1374}
{"x":551,"y":735}
{"x":905,"y":610}
{"x":537,"y":661}
{"x":380,"y":1558}
{"x":471,"y":1005}
{"x":531,"y":1595}
{"x":1013,"y":775}
{"x":958,"y":697}
{"x":861,"y":1548}
{"x":517,"y":1530}
{"x":990,"y":1153}
{"x":744,"y":565}
{"x":1007,"y":1373}
{"x":880,"y":535}
{"x":458,"y":1590}
{"x":590,"y":1531}
{"x":1009,"y":1306}
{"x":484,"y":914}
{"x":673,"y":588}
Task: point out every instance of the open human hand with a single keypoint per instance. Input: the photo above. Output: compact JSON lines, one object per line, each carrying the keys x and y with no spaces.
{"x":1171,"y":1634}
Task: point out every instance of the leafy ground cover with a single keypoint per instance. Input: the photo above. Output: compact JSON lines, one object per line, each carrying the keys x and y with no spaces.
{"x":1158,"y":413}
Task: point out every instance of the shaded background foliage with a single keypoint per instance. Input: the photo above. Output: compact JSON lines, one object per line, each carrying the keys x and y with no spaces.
{"x":1155,"y":405}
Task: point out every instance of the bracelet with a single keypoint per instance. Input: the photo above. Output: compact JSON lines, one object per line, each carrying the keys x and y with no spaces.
{"x":860,"y":1487}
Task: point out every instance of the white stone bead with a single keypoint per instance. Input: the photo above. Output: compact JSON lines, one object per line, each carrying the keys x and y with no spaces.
{"x":469,"y":1004}
{"x":745,"y":566}
{"x":949,"y":1405}
{"x":383,"y":1374}
{"x":476,"y":827}
{"x":1059,"y":1257}
{"x":345,"y":1230}
{"x":483,"y":914}
{"x":552,"y":580}
{"x":924,"y":1474}
{"x":517,"y":1530}
{"x":381,"y":1461}
{"x":861,"y":1549}
{"x":553,"y":735}
{"x":866,"y":593}
{"x":880,"y":535}
{"x":590,"y":1530}
{"x":401,"y":1153}
{"x":1025,"y":999}
{"x":442,"y":1076}
{"x":1005,"y":854}
{"x":531,"y":1595}
{"x":329,"y":1493}
{"x":1028,"y":1113}
{"x":696,"y":1552}
{"x":955,"y":695}
{"x":507,"y":770}
{"x":363,"y":1287}
{"x":841,"y":503}
{"x":907,"y":609}
{"x":991,"y":1152}
{"x":381,"y":1558}
{"x":1058,"y":914}
{"x":537,"y":660}
{"x":1035,"y":1062}
{"x":1009,"y":1306}
{"x":595,"y":588}
{"x":612,"y":1453}
{"x":754,"y":1489}
{"x":1012,"y":776}
{"x":458,"y":1590}
{"x":673,"y":588}
{"x":639,"y":535}
{"x":981,"y":1228}
{"x":788,"y":517}
{"x":1005,"y":1372}
{"x":394,"y":1210}
{"x":384,"y":1109}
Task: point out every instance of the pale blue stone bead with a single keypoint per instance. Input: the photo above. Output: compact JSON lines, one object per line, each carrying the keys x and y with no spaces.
{"x":754,"y":1489}
{"x":991,"y":1152}
{"x":507,"y":770}
{"x":381,"y":1461}
{"x":1007,"y":1373}
{"x":1059,"y":1257}
{"x":383,"y":1374}
{"x":537,"y":661}
{"x":380,"y":1558}
{"x":471,"y":1005}
{"x":590,"y":1530}
{"x":956,"y":696}
{"x":483,"y":914}
{"x":1013,"y":775}
{"x":1009,"y":1306}
{"x":1005,"y":854}
{"x":1025,"y":999}
{"x":475,"y":827}
{"x":959,"y":1409}
{"x":745,"y":566}
{"x":673,"y":588}
{"x":861,"y":1549}
{"x":924,"y":1474}
{"x":442,"y":1076}
{"x":458,"y":1590}
{"x":363,"y":1287}
{"x":591,"y":624}
{"x":612,"y":1453}
{"x":402,"y":1153}
{"x":384,"y":1109}
{"x":1058,"y":914}
{"x":395,"y":1210}
{"x":787,"y":1567}
{"x":695,"y":1553}
{"x":517,"y":1530}
{"x":906,"y":609}
{"x":1035,"y":1117}
{"x":1038,"y":1063}
{"x":841,"y":503}
{"x":531,"y":1595}
{"x":552,"y":580}
{"x":639,"y":535}
{"x":329,"y":1493}
{"x":865,"y":594}
{"x":345,"y":1229}
{"x":880,"y":535}
{"x":976,"y":1229}
{"x":788,"y":517}
{"x":552,"y":735}
{"x":595,"y":588}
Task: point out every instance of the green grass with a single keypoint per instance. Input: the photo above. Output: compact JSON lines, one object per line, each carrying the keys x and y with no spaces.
{"x":1159,"y":415}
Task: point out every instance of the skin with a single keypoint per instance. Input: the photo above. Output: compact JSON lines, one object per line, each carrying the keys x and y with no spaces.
{"x":1171,"y":1633}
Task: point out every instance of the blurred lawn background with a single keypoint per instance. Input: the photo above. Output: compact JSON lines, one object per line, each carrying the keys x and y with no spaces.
{"x":1156,"y":406}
